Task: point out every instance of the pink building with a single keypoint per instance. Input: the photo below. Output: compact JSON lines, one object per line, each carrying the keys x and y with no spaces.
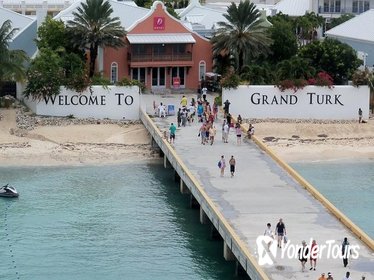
{"x":161,"y":52}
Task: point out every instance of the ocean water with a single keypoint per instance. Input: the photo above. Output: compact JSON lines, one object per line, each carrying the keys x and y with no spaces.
{"x":107,"y":222}
{"x":348,"y":185}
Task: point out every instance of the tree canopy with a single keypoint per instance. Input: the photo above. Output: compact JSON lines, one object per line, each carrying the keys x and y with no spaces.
{"x":243,"y":36}
{"x":93,"y":27}
{"x":284,"y":40}
{"x":12,"y":62}
{"x":339,"y":60}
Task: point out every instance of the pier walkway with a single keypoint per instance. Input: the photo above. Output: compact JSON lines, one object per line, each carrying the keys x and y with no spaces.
{"x":261,"y":192}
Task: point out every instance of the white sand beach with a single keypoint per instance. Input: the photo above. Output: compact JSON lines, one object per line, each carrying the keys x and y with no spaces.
{"x":79,"y":144}
{"x":318,"y":142}
{"x":71,"y":144}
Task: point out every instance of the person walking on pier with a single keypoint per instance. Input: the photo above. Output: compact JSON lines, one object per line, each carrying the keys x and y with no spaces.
{"x":347,"y":276}
{"x":303,"y":255}
{"x":280,"y":230}
{"x":212,"y":134}
{"x":313,"y":255}
{"x":225,"y":132}
{"x":232,"y":163}
{"x":269,"y":232}
{"x":172,"y":130}
{"x":202,"y":133}
{"x":179,"y":117}
{"x":345,"y":251}
{"x":238,"y":131}
{"x":222,"y":165}
{"x":184,"y":102}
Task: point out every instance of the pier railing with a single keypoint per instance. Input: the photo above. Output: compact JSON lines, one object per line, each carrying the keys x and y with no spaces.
{"x":230,"y":237}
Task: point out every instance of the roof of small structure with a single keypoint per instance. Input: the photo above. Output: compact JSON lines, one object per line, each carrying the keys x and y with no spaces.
{"x":360,"y":27}
{"x":293,"y":8}
{"x":127,"y":11}
{"x":195,"y":13}
{"x":18,"y":21}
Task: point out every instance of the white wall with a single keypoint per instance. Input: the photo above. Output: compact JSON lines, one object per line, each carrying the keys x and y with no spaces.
{"x":312,"y":102}
{"x":119,"y":103}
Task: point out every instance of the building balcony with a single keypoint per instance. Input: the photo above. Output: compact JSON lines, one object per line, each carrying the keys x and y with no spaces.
{"x":160,"y":60}
{"x":160,"y":57}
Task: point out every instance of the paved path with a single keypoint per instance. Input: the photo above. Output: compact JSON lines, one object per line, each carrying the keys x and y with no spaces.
{"x":262,"y":192}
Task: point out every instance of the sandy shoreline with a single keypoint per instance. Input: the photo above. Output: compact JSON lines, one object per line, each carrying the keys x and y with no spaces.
{"x":110,"y":143}
{"x":295,"y":142}
{"x":85,"y":144}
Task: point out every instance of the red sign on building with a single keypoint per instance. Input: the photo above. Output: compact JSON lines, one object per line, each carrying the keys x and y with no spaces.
{"x":176,"y":82}
{"x":158,"y":23}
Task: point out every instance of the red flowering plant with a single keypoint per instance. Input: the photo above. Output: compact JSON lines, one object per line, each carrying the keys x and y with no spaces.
{"x":323,"y":79}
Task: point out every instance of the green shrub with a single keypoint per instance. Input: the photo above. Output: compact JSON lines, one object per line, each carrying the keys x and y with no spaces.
{"x":127,"y":82}
{"x":231,"y":81}
{"x":98,"y":80}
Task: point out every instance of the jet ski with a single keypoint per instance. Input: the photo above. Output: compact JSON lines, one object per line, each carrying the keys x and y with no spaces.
{"x":8,"y":191}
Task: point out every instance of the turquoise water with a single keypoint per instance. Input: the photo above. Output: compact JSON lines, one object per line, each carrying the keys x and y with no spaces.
{"x":348,"y":185}
{"x":111,"y":222}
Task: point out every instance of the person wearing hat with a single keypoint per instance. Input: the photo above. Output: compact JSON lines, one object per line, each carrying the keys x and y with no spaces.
{"x":322,"y":277}
{"x":329,"y":276}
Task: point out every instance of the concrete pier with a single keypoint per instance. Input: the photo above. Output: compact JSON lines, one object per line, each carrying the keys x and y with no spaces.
{"x":260,"y":192}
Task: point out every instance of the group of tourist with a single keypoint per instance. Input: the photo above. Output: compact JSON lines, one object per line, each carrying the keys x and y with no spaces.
{"x":222,"y":165}
{"x":306,"y":252}
{"x":206,"y":115}
{"x":202,"y":112}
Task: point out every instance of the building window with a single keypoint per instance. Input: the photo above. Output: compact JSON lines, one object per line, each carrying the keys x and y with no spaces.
{"x":202,"y":70}
{"x":359,"y":7}
{"x":179,"y":48}
{"x":138,"y":49}
{"x":114,"y":72}
{"x":138,"y":74}
{"x":159,"y":49}
{"x":158,"y":77}
{"x":332,"y":6}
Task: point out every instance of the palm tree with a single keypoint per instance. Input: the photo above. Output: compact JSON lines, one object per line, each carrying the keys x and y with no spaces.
{"x":12,"y":62}
{"x":306,"y":27}
{"x":92,"y":27}
{"x":243,"y":35}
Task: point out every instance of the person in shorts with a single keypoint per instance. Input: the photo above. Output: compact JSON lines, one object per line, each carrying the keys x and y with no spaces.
{"x":280,"y":231}
{"x":172,"y":130}
{"x":232,"y":163}
{"x":313,"y":255}
{"x":238,"y":131}
{"x":303,"y":255}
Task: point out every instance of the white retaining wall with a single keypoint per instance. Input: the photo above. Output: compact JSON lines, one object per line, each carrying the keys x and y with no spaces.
{"x":112,"y":102}
{"x":311,"y":102}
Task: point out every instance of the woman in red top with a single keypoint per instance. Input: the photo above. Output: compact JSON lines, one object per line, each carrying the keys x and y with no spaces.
{"x":313,"y":255}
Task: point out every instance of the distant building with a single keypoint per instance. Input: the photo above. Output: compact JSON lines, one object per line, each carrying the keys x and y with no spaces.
{"x":24,"y":38}
{"x":335,"y":8}
{"x":31,"y":7}
{"x":162,"y":52}
{"x":325,"y":8}
{"x":357,"y":32}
